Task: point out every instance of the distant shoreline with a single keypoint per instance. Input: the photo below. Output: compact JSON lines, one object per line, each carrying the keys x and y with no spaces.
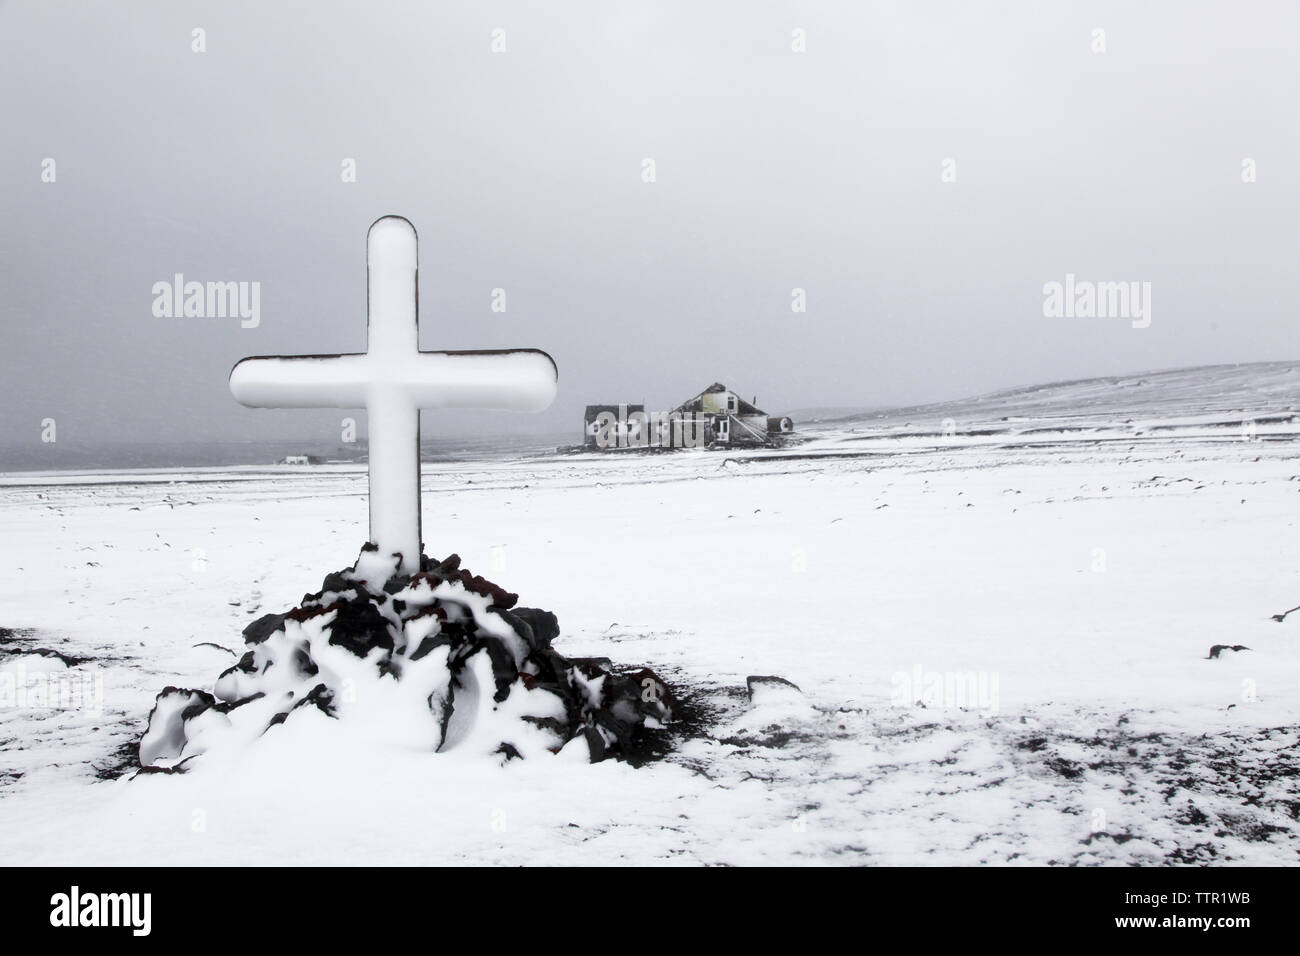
{"x":70,"y":456}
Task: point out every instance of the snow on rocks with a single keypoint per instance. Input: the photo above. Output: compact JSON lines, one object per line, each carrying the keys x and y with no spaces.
{"x":775,"y":701}
{"x":438,"y":660}
{"x":768,"y":689}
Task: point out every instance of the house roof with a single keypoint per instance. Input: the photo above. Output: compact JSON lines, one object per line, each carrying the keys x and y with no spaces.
{"x":594,"y":410}
{"x":697,"y":403}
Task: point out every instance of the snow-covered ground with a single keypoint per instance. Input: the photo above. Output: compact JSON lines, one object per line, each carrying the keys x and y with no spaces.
{"x":1045,"y":570}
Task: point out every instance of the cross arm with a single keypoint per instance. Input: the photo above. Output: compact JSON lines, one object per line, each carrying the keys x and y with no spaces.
{"x":514,"y":380}
{"x":520,"y":380}
{"x":301,"y":381}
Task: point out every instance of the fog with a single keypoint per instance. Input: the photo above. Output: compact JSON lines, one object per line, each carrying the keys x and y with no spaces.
{"x":524,"y":170}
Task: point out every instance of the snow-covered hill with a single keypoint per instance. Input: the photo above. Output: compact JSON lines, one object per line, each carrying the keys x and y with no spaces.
{"x":1224,"y":397}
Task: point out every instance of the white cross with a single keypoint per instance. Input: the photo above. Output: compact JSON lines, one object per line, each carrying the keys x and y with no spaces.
{"x":393,"y":380}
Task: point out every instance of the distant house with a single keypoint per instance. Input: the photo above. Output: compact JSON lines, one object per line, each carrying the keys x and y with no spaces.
{"x":595,"y":429}
{"x":730,"y":420}
{"x":716,"y":416}
{"x":299,"y":460}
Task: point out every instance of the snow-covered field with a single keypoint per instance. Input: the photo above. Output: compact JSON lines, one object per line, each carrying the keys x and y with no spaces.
{"x":1045,"y":570}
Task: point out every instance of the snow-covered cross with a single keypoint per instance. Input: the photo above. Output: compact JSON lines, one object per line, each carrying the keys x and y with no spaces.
{"x":393,"y":380}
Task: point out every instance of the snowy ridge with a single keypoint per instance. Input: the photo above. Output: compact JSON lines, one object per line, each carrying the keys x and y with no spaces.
{"x":1225,"y":396}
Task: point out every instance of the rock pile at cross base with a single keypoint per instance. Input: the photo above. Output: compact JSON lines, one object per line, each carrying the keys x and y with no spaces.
{"x":441,"y":659}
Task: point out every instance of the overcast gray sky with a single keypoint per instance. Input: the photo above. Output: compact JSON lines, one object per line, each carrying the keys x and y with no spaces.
{"x":522,"y":170}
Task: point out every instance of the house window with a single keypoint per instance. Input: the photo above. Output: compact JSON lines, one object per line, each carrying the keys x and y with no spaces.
{"x":731,"y":403}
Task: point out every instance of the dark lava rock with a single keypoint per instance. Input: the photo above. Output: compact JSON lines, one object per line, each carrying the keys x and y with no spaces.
{"x":262,"y":628}
{"x":445,"y":613}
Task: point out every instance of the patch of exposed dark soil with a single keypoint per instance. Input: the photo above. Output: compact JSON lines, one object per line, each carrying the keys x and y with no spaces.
{"x":123,"y":759}
{"x":1237,"y":785}
{"x":23,"y":640}
{"x":1065,"y":768}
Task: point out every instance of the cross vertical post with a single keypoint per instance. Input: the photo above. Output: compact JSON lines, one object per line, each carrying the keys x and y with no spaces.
{"x":393,"y":380}
{"x":393,"y":333}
